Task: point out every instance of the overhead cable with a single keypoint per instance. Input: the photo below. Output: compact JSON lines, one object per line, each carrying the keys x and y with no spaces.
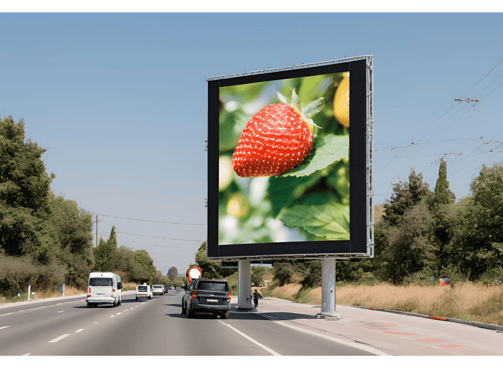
{"x":147,"y":220}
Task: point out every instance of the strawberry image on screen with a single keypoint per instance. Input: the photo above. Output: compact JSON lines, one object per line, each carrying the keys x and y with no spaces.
{"x":276,"y":139}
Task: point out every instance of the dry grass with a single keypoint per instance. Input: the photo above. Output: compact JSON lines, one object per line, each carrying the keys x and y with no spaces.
{"x":466,"y":301}
{"x":286,"y":291}
{"x":69,"y":291}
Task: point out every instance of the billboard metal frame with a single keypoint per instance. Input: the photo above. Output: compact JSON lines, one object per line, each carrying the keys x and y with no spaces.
{"x":367,"y":246}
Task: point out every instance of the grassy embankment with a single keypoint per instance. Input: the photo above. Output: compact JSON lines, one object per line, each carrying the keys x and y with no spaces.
{"x":69,"y":291}
{"x":466,"y":301}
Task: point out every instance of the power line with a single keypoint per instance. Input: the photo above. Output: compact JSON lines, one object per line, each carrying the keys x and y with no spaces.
{"x":147,"y":220}
{"x":482,"y":78}
{"x":159,"y":237}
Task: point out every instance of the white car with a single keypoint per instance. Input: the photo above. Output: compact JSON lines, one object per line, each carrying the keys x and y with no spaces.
{"x":144,"y":291}
{"x":158,"y":289}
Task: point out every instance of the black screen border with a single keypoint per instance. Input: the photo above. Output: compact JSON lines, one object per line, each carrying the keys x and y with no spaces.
{"x":357,"y":169}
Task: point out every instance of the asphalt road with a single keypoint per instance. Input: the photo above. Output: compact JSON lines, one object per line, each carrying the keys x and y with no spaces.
{"x":151,"y":327}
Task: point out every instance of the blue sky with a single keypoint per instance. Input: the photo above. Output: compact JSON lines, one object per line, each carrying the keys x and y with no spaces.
{"x":120,"y":101}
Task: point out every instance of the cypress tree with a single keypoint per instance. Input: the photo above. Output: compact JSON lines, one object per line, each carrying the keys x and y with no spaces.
{"x":440,"y":208}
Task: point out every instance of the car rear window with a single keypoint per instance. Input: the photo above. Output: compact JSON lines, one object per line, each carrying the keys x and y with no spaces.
{"x":142,"y":288}
{"x":157,"y":287}
{"x":101,"y":282}
{"x":213,"y":286}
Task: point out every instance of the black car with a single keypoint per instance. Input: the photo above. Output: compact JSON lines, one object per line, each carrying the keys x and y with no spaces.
{"x":207,"y":295}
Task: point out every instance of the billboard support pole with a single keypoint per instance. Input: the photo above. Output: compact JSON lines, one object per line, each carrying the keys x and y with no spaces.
{"x":244,"y":285}
{"x":328,"y":290}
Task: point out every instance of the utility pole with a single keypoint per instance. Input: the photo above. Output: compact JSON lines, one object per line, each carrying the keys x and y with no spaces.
{"x":96,"y":230}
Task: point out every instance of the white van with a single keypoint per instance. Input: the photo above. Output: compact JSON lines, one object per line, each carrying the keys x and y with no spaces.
{"x":144,"y":290}
{"x":104,"y":288}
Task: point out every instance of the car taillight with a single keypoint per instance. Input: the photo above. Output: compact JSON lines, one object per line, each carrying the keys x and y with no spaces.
{"x":194,"y":294}
{"x":89,"y":290}
{"x":229,"y":296}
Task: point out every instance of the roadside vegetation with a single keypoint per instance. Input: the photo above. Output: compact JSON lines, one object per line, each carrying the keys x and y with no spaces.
{"x":45,"y":239}
{"x":466,"y":301}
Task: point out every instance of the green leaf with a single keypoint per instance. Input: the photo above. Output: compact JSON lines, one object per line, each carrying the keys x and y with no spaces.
{"x":283,"y":191}
{"x":313,"y":108}
{"x":231,"y":126}
{"x":330,"y":220}
{"x":296,"y":102}
{"x":327,"y":149}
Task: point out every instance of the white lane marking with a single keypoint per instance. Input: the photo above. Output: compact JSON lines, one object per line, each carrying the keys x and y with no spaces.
{"x":26,"y":354}
{"x":3,"y":327}
{"x":47,"y":306}
{"x":60,"y":311}
{"x":356,"y":345}
{"x":96,"y":322}
{"x":78,"y":331}
{"x":112,"y":316}
{"x":252,"y":340}
{"x":59,"y":338}
{"x":119,"y":313}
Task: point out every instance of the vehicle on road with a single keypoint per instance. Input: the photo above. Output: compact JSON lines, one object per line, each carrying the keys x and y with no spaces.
{"x":207,"y":295}
{"x":104,"y":288}
{"x":158,"y":289}
{"x":144,"y":291}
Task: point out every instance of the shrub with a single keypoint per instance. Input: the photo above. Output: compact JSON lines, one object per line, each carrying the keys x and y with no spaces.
{"x":16,"y":273}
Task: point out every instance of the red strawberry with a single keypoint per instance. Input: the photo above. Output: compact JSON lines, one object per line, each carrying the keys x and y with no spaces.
{"x":276,"y":139}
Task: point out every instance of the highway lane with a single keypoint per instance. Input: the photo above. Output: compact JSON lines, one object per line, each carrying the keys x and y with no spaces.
{"x":152,"y":327}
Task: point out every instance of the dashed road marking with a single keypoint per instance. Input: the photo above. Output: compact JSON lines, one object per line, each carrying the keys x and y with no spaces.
{"x":96,"y":322}
{"x":3,"y":327}
{"x":60,"y":311}
{"x":251,"y":340}
{"x":59,"y":338}
{"x":112,"y":316}
{"x":26,"y":354}
{"x":78,"y":331}
{"x":119,"y":313}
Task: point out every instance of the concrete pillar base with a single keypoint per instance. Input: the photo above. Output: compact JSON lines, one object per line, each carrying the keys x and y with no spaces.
{"x":329,"y":316}
{"x":246,"y":309}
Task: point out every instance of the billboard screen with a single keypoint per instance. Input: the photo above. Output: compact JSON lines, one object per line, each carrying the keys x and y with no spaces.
{"x":289,"y":152}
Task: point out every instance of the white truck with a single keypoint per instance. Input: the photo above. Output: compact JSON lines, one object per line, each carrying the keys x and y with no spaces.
{"x":104,"y":288}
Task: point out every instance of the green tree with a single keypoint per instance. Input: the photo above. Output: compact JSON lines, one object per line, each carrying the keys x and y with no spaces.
{"x":409,"y":245}
{"x":105,"y":252}
{"x":442,"y":210}
{"x":405,"y":196}
{"x":256,"y":274}
{"x":145,"y":265}
{"x":24,"y":195}
{"x":172,"y":273}
{"x":479,"y":226}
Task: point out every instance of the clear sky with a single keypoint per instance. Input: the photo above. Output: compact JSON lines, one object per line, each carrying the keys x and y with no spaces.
{"x":120,"y":102}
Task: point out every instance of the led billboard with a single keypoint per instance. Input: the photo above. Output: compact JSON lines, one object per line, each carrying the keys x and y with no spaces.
{"x":287,"y":162}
